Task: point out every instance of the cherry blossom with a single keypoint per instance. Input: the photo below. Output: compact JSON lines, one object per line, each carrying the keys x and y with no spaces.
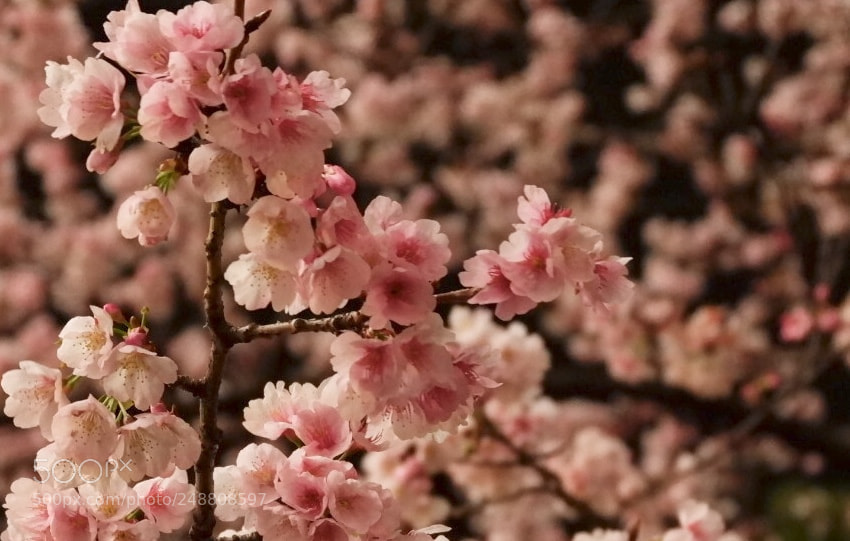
{"x":278,"y":231}
{"x":85,"y":430}
{"x":148,"y":215}
{"x":138,"y":375}
{"x":256,"y":284}
{"x":34,"y":395}
{"x":84,"y":100}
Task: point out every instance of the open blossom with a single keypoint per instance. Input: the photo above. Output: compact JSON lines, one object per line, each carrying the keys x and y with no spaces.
{"x":219,"y":174}
{"x":320,"y":94}
{"x":534,"y":207}
{"x":333,"y":278}
{"x":139,"y":375}
{"x":156,"y":441}
{"x":148,"y":215}
{"x":303,"y":411}
{"x":85,"y":430}
{"x":248,"y":93}
{"x":609,"y":284}
{"x":167,"y":502}
{"x":84,"y":101}
{"x":86,"y":343}
{"x":167,"y":114}
{"x":278,"y":231}
{"x":35,"y":394}
{"x":484,"y":270}
{"x":399,"y":294}
{"x":418,"y":244}
{"x":202,"y":26}
{"x":135,"y":40}
{"x":257,"y":283}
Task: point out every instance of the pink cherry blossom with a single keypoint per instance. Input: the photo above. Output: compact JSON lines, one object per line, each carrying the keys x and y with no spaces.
{"x":418,"y":244}
{"x":381,"y":213}
{"x":339,"y":180}
{"x":147,"y":214}
{"x":484,"y":270}
{"x":258,"y":465}
{"x":85,"y":430}
{"x":534,"y":265}
{"x":154,"y":442}
{"x":303,"y":411}
{"x":257,"y":283}
{"x":218,"y":174}
{"x":139,"y":375}
{"x":355,"y":504}
{"x":202,"y":26}
{"x":108,"y":499}
{"x":84,"y":101}
{"x":278,"y":231}
{"x":609,"y":284}
{"x":373,"y":367}
{"x":167,"y":114}
{"x":303,"y":491}
{"x":86,"y":343}
{"x":167,"y":502}
{"x":69,"y":519}
{"x":321,"y":94}
{"x":296,"y":162}
{"x":248,"y":93}
{"x":197,"y":73}
{"x":135,"y":41}
{"x":28,"y":510}
{"x":323,"y":430}
{"x":333,"y":278}
{"x":35,"y":394}
{"x":399,"y":294}
{"x":534,"y":207}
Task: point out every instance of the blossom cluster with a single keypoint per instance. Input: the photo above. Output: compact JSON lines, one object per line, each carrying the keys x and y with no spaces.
{"x":97,"y":448}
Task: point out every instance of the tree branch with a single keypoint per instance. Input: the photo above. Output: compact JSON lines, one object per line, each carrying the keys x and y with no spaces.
{"x":588,"y":516}
{"x":336,"y":324}
{"x":222,"y":341}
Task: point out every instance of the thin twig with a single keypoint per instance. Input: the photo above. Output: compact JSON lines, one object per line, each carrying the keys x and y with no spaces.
{"x":551,"y":482}
{"x":336,"y":324}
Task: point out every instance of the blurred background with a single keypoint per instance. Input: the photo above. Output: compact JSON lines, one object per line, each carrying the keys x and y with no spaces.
{"x":709,"y":140}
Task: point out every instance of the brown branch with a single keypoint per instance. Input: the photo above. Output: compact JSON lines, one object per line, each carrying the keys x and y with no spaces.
{"x":551,"y":482}
{"x":464,"y":511}
{"x":222,"y":340}
{"x":192,"y":385}
{"x":236,"y":52}
{"x":336,"y":324}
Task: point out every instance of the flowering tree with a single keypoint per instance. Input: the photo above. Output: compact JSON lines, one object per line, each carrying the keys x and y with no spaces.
{"x":419,"y":413}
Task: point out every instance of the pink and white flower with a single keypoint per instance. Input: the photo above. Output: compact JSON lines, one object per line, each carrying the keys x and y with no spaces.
{"x":139,"y":375}
{"x":167,"y":502}
{"x":167,"y":114}
{"x":202,"y":26}
{"x":84,"y":101}
{"x":34,"y":396}
{"x":278,"y":231}
{"x":85,"y":430}
{"x":86,"y":343}
{"x":399,"y":294}
{"x":148,"y":215}
{"x":257,"y":283}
